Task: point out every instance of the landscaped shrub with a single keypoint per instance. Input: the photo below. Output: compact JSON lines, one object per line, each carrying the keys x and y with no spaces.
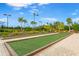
{"x":28,"y":28}
{"x":66,"y":28}
{"x":5,"y":34}
{"x":14,"y":34}
{"x":76,"y":27}
{"x":32,"y":32}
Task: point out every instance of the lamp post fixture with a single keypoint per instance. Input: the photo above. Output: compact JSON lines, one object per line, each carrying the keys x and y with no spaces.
{"x":35,"y":14}
{"x":7,"y":15}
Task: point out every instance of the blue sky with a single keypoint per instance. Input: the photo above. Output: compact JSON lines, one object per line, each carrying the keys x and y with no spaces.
{"x":48,"y":12}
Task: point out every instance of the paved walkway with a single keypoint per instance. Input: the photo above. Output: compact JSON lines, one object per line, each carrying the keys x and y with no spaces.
{"x":23,"y":38}
{"x":3,"y":49}
{"x":66,"y":47}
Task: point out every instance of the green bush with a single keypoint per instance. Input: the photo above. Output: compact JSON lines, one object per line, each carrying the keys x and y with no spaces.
{"x":66,"y":28}
{"x":76,"y":27}
{"x":5,"y":34}
{"x":28,"y":28}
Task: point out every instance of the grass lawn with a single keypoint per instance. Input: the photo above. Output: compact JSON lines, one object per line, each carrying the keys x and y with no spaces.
{"x":26,"y":46}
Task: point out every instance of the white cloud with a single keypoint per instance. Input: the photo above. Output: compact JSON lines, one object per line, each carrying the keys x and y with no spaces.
{"x":24,"y":4}
{"x":39,"y":1}
{"x":76,"y":10}
{"x":74,"y":13}
{"x":75,"y":19}
{"x":18,"y":6}
{"x":40,"y":4}
{"x":33,"y":7}
{"x":21,"y":13}
{"x":3,"y":20}
{"x":34,"y":10}
{"x":51,"y":20}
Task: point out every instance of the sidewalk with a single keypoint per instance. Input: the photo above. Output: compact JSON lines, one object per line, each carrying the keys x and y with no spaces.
{"x":66,"y":47}
{"x":3,"y":49}
{"x":23,"y":38}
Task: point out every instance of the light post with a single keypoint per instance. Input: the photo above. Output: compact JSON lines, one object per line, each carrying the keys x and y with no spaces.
{"x":7,"y":15}
{"x":34,"y":15}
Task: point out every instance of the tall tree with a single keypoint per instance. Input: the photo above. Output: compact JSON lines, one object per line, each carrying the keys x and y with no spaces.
{"x":22,"y":21}
{"x":56,"y":25}
{"x":61,"y":26}
{"x":47,"y":28}
{"x":69,"y":22}
{"x":33,"y":23}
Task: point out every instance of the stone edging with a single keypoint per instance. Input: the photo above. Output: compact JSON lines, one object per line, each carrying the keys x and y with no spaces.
{"x":10,"y":50}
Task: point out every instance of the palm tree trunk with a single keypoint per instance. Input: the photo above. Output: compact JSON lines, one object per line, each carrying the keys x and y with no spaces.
{"x":24,"y":26}
{"x":69,"y":28}
{"x":21,"y":26}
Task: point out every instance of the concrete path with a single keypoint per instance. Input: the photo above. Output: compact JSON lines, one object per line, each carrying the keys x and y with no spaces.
{"x":23,"y":38}
{"x":66,"y":47}
{"x":3,"y":49}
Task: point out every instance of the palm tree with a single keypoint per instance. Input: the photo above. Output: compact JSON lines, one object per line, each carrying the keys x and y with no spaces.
{"x":33,"y":23}
{"x":24,"y":21}
{"x":7,"y":15}
{"x":20,"y":19}
{"x":61,"y":26}
{"x":69,"y":22}
{"x":56,"y":24}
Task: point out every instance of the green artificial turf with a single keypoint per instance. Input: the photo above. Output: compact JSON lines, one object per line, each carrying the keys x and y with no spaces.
{"x":26,"y":46}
